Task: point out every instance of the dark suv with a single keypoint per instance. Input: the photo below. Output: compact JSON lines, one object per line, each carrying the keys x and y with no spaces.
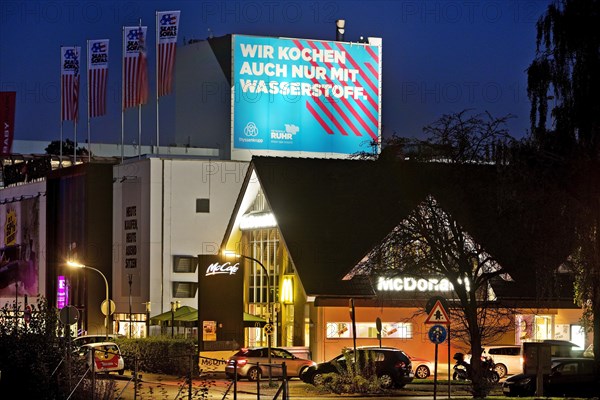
{"x":392,"y":366}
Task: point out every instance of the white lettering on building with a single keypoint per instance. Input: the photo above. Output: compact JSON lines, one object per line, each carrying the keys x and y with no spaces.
{"x":219,"y":269}
{"x":409,"y":284}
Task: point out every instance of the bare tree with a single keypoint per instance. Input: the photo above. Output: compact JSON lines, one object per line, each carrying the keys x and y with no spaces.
{"x":430,"y":243}
{"x":464,"y":137}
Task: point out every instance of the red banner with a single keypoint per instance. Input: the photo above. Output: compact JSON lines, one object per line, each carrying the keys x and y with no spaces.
{"x":166,"y":36}
{"x":7,"y":121}
{"x":69,"y":77}
{"x":97,"y":76}
{"x":135,"y":84}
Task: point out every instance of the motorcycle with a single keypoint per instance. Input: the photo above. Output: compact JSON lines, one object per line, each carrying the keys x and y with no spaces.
{"x":462,"y":369}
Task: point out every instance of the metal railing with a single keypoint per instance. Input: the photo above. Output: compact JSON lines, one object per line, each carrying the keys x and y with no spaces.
{"x":282,"y":390}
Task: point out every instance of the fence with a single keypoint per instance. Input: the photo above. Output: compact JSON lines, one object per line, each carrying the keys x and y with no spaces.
{"x":282,"y":390}
{"x":87,"y":383}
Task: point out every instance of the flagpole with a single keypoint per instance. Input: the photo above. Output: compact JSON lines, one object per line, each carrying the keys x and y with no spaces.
{"x":123,"y":97}
{"x":76,"y":114}
{"x":88,"y":101}
{"x":140,"y":102}
{"x":157,"y":83}
{"x":61,"y":108}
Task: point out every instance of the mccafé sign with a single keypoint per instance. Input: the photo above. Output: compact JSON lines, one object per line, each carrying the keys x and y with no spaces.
{"x":222,"y":269}
{"x":410,"y":284}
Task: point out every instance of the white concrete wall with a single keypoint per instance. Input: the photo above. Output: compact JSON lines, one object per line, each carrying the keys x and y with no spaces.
{"x":168,"y":224}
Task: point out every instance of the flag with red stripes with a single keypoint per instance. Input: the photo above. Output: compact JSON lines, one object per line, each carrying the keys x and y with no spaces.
{"x":166,"y":37}
{"x":135,"y":66}
{"x":69,"y":82}
{"x":97,"y":76}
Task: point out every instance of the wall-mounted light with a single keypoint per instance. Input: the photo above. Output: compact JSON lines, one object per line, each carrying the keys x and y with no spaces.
{"x":340,"y":26}
{"x":257,"y":220}
{"x":287,"y":290}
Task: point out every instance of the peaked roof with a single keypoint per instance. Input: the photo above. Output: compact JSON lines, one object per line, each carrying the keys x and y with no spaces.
{"x":332,"y":212}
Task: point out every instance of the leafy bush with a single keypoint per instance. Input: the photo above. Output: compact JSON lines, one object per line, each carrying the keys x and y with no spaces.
{"x":353,"y":377}
{"x":30,"y":353}
{"x":160,"y":354}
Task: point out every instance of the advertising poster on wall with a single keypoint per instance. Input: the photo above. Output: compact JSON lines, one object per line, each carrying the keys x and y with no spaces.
{"x":19,"y":248}
{"x":209,"y":331}
{"x":297,"y":95}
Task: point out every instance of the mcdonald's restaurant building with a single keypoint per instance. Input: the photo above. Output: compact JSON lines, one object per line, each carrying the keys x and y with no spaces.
{"x":295,"y":241}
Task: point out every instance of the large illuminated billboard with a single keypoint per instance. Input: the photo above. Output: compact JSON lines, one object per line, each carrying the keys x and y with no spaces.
{"x":298,"y":95}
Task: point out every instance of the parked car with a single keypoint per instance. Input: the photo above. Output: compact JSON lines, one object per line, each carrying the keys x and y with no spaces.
{"x":85,"y":339}
{"x":563,"y":348}
{"x":507,"y":358}
{"x":106,"y":357}
{"x":247,"y":360}
{"x":422,"y":367}
{"x":568,"y":377}
{"x":392,"y":366}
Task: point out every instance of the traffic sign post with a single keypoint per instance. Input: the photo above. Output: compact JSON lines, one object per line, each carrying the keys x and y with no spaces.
{"x":269,"y":328}
{"x":378,"y":326}
{"x":437,"y":334}
{"x":437,"y":309}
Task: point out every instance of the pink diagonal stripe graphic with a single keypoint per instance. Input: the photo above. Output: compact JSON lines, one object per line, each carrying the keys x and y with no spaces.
{"x":318,"y":118}
{"x":355,"y":65}
{"x":320,"y":103}
{"x":367,"y":112}
{"x":371,"y":68}
{"x":347,"y":103}
{"x":372,"y":53}
{"x":333,"y":103}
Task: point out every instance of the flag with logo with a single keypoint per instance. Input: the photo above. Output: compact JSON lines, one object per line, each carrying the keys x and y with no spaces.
{"x":69,"y":82}
{"x":135,"y":66}
{"x":166,"y":37}
{"x":97,"y":76}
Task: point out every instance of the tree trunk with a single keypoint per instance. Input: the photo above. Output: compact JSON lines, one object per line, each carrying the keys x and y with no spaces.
{"x":480,"y":385}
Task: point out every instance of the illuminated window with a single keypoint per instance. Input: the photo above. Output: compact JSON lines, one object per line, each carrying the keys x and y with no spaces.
{"x":398,"y":330}
{"x":287,"y":290}
{"x":543,"y":327}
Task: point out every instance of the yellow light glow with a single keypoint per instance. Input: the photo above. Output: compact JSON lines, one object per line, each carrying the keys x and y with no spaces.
{"x":287,"y":290}
{"x":75,"y":264}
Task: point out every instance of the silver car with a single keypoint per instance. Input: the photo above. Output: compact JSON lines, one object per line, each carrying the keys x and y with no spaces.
{"x":252,"y":363}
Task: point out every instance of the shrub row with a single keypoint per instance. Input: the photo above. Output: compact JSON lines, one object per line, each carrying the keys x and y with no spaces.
{"x":160,"y":355}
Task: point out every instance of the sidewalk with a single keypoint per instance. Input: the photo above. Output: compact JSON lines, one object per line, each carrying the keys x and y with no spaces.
{"x":155,"y":386}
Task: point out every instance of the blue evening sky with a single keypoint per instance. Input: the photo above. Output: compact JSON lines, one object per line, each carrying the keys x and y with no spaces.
{"x":438,"y":56}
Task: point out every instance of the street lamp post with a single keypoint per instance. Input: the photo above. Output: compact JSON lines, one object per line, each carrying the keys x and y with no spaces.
{"x":130,"y":280}
{"x":78,"y":265}
{"x":174,"y":306}
{"x":148,"y":308}
{"x":269,"y":335}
